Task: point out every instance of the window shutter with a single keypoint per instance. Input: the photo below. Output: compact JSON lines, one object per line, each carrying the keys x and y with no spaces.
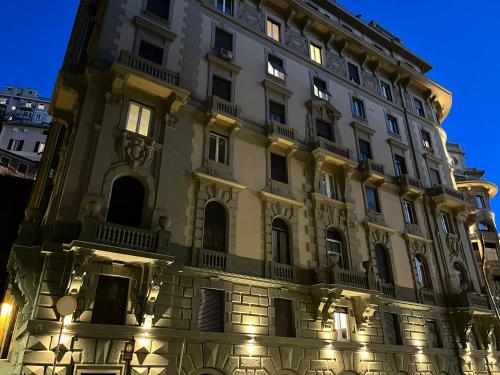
{"x":20,"y":145}
{"x":324,"y":130}
{"x":392,"y":333}
{"x":211,"y":310}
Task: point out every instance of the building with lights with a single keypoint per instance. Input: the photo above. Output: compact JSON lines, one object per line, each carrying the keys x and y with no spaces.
{"x":244,"y":187}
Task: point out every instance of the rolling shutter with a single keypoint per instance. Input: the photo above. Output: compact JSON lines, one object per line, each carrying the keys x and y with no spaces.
{"x":211,"y":311}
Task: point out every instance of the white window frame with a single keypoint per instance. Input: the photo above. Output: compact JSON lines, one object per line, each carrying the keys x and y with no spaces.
{"x":319,"y":92}
{"x":41,"y":106}
{"x":420,"y":271}
{"x":224,"y":6}
{"x":3,"y":101}
{"x":358,"y":108}
{"x":341,"y":324}
{"x":271,"y":26}
{"x":316,"y":53}
{"x":409,"y":212}
{"x":139,"y":118}
{"x":217,"y":138}
{"x":329,"y":185}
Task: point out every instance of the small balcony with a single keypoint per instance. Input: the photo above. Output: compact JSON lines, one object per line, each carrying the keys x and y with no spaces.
{"x":427,"y":296}
{"x":282,"y":136}
{"x":216,"y":260}
{"x":449,"y":197}
{"x":414,"y":230}
{"x":223,"y":112}
{"x":472,"y":300}
{"x":372,"y":171}
{"x":332,"y":152}
{"x":149,"y":68}
{"x":280,"y":271}
{"x":409,"y":186}
{"x":388,"y":289}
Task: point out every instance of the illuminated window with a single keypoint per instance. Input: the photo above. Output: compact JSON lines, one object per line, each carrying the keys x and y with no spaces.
{"x":273,"y":30}
{"x":41,"y":106}
{"x":39,"y":147}
{"x":275,"y":67}
{"x":341,"y":321}
{"x":139,"y":119}
{"x":315,"y":53}
{"x":3,"y":101}
{"x":217,"y":148}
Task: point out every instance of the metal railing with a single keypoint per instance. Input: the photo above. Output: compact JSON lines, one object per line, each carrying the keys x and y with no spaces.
{"x":407,"y":180}
{"x":334,"y":148}
{"x":220,"y":105}
{"x":212,"y":259}
{"x":281,"y":130}
{"x":281,"y":271}
{"x":370,"y":166}
{"x":472,"y":299}
{"x":148,"y":67}
{"x":427,"y":296}
{"x":388,"y":289}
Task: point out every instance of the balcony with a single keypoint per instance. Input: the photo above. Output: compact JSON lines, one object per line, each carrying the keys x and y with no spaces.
{"x":139,"y":73}
{"x":280,"y":271}
{"x":332,"y":152}
{"x":216,"y":260}
{"x":443,"y":195}
{"x":409,"y":186}
{"x":427,"y":296}
{"x":413,"y":230}
{"x":281,"y":136}
{"x":223,"y":113}
{"x":472,"y":300}
{"x":388,"y":289}
{"x":372,"y":171}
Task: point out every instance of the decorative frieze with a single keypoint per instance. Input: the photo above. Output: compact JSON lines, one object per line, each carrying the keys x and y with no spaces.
{"x":251,"y":17}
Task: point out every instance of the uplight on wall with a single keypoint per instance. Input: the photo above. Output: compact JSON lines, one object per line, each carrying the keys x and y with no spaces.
{"x":6,"y":309}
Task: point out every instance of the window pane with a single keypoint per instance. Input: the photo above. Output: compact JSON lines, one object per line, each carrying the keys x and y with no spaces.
{"x":133,"y":117}
{"x":212,"y":147}
{"x":365,"y":150}
{"x":279,"y":168}
{"x":159,"y":7}
{"x":353,"y":72}
{"x":383,"y":265}
{"x":110,"y":302}
{"x":222,"y":150}
{"x":273,"y":30}
{"x":372,"y":198}
{"x":214,"y":228}
{"x":285,"y":326}
{"x":341,"y":321}
{"x":145,"y":118}
{"x":223,"y":40}
{"x":211,"y":310}
{"x":315,"y":53}
{"x":221,"y":88}
{"x":151,"y":52}
{"x":277,"y":112}
{"x":393,"y":334}
{"x":324,"y":129}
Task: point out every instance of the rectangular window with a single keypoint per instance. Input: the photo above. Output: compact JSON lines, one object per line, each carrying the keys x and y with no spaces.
{"x":211,"y":310}
{"x":358,"y":108}
{"x":221,"y":88}
{"x":139,"y":119}
{"x":41,"y":106}
{"x":433,"y":338}
{"x":4,"y":161}
{"x":110,"y":302}
{"x":38,"y":115}
{"x":353,"y":71}
{"x":324,"y":130}
{"x":329,"y":185}
{"x":275,"y":66}
{"x":393,"y":329}
{"x":279,"y":171}
{"x":426,"y":139}
{"x":480,"y":201}
{"x":3,"y":101}
{"x":22,"y":168}
{"x":446,"y":223}
{"x":341,"y":321}
{"x":159,"y":8}
{"x":392,"y":124}
{"x":15,"y":145}
{"x":386,"y":90}
{"x":365,"y":150}
{"x":409,"y":212}
{"x":435,"y":177}
{"x":372,"y":199}
{"x":273,"y":29}
{"x":419,"y":107}
{"x":223,"y":40}
{"x":217,"y":148}
{"x":39,"y":147}
{"x":277,"y":112}
{"x":285,"y":326}
{"x":225,"y":6}
{"x":320,"y":90}
{"x":315,"y":53}
{"x":400,"y":165}
{"x":151,"y":52}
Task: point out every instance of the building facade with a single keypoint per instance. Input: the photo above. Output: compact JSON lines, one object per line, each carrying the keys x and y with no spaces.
{"x":24,"y":126}
{"x":248,"y":188}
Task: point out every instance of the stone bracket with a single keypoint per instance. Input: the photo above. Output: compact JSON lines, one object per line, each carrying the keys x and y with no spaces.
{"x":364,"y":309}
{"x":324,"y":299}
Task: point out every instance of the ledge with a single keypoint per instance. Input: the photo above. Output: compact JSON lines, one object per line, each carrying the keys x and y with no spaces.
{"x":270,"y":196}
{"x":155,"y":28}
{"x":268,"y":84}
{"x":396,"y":143}
{"x":356,"y":124}
{"x":217,"y":180}
{"x":214,"y":59}
{"x":335,"y":202}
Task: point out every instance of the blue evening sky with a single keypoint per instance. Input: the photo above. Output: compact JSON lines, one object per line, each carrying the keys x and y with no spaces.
{"x":459,"y":38}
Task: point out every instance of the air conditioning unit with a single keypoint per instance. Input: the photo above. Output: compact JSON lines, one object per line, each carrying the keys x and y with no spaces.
{"x":225,"y":54}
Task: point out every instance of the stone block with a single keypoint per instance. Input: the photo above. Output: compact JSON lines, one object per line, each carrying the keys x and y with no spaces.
{"x":263,"y":301}
{"x":250,"y":362}
{"x":257,"y":310}
{"x":252,"y":300}
{"x":235,"y":318}
{"x":241,"y":288}
{"x":33,"y":370}
{"x":259,"y":291}
{"x":139,"y":371}
{"x":38,"y":342}
{"x":235,"y":297}
{"x":59,"y":370}
{"x":157,"y":371}
{"x":186,"y":281}
{"x":243,"y":309}
{"x":250,"y":319}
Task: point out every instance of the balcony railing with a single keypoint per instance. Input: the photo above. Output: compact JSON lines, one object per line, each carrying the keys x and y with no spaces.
{"x":349,"y":278}
{"x":389,"y":289}
{"x":97,"y":231}
{"x":281,"y":271}
{"x":212,"y":259}
{"x":148,"y":67}
{"x":406,"y":180}
{"x":369,"y":166}
{"x":224,"y":107}
{"x":443,"y":190}
{"x":334,"y":148}
{"x":281,"y":130}
{"x":472,"y":300}
{"x":427,"y":296}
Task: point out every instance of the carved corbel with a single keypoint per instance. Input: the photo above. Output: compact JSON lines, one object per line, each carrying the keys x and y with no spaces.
{"x":307,"y":26}
{"x":342,"y":47}
{"x":261,"y":4}
{"x":331,"y":40}
{"x":324,"y":299}
{"x":363,"y":60}
{"x":348,"y":171}
{"x":80,"y":266}
{"x":364,"y":309}
{"x":464,"y":324}
{"x":395,"y":78}
{"x":291,"y":15}
{"x":156,"y":272}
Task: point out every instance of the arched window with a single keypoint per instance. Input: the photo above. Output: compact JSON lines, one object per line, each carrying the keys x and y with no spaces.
{"x":485,"y":227}
{"x":126,"y":202}
{"x":458,"y":270}
{"x":214,"y":227}
{"x":383,"y":264}
{"x":422,"y":272}
{"x":334,"y":245}
{"x":281,"y":242}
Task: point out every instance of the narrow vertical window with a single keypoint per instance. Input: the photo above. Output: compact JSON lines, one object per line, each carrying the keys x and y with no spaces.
{"x":285,"y":326}
{"x":358,"y":108}
{"x":409,"y":212}
{"x":110,"y":302}
{"x":383,"y":264}
{"x":421,"y":271}
{"x":217,"y":148}
{"x":214,"y":227}
{"x":151,"y":52}
{"x":329,"y":185}
{"x":341,"y":322}
{"x":365,"y":150}
{"x":223,"y":40}
{"x":400,"y":165}
{"x":433,"y":335}
{"x":435,"y":177}
{"x":281,"y":243}
{"x":273,"y":29}
{"x":386,"y":90}
{"x":480,"y":201}
{"x":426,"y":139}
{"x":393,"y":329}
{"x":277,"y":112}
{"x":221,"y":88}
{"x":353,"y":72}
{"x":335,"y":246}
{"x":315,"y":53}
{"x":392,"y":124}
{"x":372,"y":199}
{"x":319,"y":89}
{"x":419,"y":107}
{"x":139,"y":118}
{"x":275,"y":67}
{"x":225,"y":6}
{"x":446,"y":223}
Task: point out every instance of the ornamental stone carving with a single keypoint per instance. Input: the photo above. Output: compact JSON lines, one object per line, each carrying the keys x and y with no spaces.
{"x":370,"y":82}
{"x":296,"y":41}
{"x":336,"y":63}
{"x":251,"y":17}
{"x":134,"y":149}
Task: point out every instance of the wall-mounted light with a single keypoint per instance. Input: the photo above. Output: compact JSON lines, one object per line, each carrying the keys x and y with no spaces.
{"x":147,"y":322}
{"x":68,"y":319}
{"x":6,"y":309}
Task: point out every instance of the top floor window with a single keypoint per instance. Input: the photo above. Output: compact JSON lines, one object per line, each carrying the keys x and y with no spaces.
{"x":315,"y":53}
{"x":353,"y":72}
{"x":386,"y":90}
{"x":159,"y":8}
{"x":273,"y":30}
{"x":223,"y":40}
{"x":139,"y":118}
{"x":480,"y":201}
{"x":320,"y":90}
{"x":3,"y":101}
{"x":419,"y":107}
{"x":41,"y":106}
{"x":275,"y":67}
{"x":225,"y":6}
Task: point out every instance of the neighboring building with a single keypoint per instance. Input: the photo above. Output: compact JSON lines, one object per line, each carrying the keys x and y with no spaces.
{"x":247,"y":188}
{"x":24,"y":126}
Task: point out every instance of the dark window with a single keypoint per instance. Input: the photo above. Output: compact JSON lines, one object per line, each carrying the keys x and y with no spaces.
{"x":324,"y":130}
{"x":422,"y":272}
{"x":285,"y":326}
{"x":22,"y":168}
{"x":275,"y":66}
{"x":426,"y":139}
{"x":15,"y":145}
{"x":211,"y":310}
{"x":214,"y":227}
{"x":435,"y":177}
{"x":358,"y":108}
{"x":281,"y":243}
{"x":110,"y":302}
{"x":279,"y":170}
{"x":496,"y":283}
{"x":409,"y":212}
{"x":151,"y":52}
{"x":392,"y":124}
{"x":223,"y":39}
{"x":400,"y":165}
{"x":365,"y":150}
{"x":320,"y":90}
{"x":458,"y":270}
{"x":277,"y":112}
{"x":126,"y":203}
{"x":353,"y":72}
{"x":480,"y":201}
{"x":159,"y":7}
{"x":372,"y":199}
{"x":383,"y":264}
{"x":419,"y":107}
{"x":485,"y":227}
{"x":433,"y":338}
{"x":225,"y":6}
{"x":393,"y":329}
{"x":334,"y":245}
{"x":221,"y":88}
{"x":4,"y":162}
{"x":37,"y":145}
{"x":386,"y":91}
